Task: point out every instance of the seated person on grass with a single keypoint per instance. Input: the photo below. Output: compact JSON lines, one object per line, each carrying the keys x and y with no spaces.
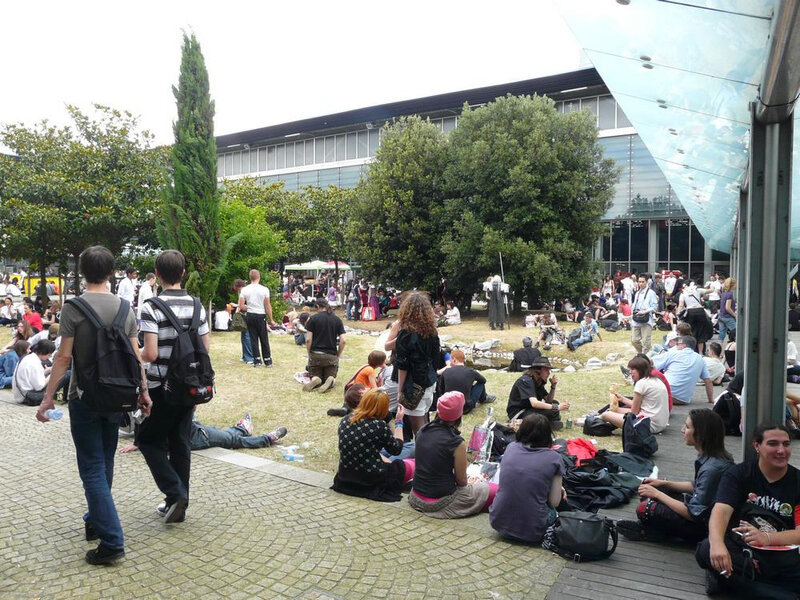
{"x":548,"y":328}
{"x":9,"y":362}
{"x":30,"y":377}
{"x":453,"y":315}
{"x":589,"y":331}
{"x":524,"y":357}
{"x":530,"y":396}
{"x":460,"y":378}
{"x":370,"y":375}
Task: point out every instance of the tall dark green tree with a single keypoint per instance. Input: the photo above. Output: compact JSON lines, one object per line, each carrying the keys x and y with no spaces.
{"x":191,"y":204}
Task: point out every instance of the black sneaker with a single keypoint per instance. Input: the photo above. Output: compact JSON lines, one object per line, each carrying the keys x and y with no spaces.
{"x":625,"y":372}
{"x":713,"y":585}
{"x":176,"y":512}
{"x":631,"y":530}
{"x":91,"y":533}
{"x":337,"y":412}
{"x":103,"y":555}
{"x":280,"y":432}
{"x":489,"y":399}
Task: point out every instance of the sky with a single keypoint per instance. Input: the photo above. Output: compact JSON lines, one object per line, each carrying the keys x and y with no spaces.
{"x":268,"y":62}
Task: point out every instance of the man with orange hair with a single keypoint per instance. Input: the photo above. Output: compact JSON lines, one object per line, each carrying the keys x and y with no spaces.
{"x":460,"y":378}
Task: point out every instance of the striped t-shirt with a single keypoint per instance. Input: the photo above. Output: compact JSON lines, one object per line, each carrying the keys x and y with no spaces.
{"x":155,"y":321}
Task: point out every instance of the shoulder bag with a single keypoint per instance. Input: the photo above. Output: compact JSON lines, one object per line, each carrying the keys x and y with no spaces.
{"x":581,"y":536}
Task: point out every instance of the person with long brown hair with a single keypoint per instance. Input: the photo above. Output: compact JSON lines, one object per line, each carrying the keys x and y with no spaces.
{"x":362,"y":435}
{"x":23,"y":331}
{"x":415,"y":343}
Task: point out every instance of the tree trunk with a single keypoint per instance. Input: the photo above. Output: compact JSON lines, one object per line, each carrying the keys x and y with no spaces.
{"x":43,"y":282}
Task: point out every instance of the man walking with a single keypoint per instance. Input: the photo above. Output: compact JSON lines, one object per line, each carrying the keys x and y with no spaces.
{"x":255,"y":303}
{"x":325,"y":344}
{"x":645,"y":303}
{"x":94,"y":433}
{"x":164,"y":437}
{"x":127,"y":287}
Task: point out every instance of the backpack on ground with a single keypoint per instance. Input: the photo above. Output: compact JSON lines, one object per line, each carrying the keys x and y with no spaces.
{"x":190,"y":377}
{"x":581,"y":536}
{"x":596,"y":427}
{"x":637,"y":437}
{"x":112,"y":381}
{"x":728,"y":407}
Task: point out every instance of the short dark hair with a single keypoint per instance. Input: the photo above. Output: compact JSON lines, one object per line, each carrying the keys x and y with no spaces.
{"x":640,"y":365}
{"x":535,"y":431}
{"x":376,"y":358}
{"x":170,"y":265}
{"x":43,"y":347}
{"x":96,"y":263}
{"x":716,"y":348}
{"x":353,"y":396}
{"x":762,"y":428}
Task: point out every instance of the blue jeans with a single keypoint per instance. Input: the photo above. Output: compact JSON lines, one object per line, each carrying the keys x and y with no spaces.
{"x":476,"y":395}
{"x":408,"y":451}
{"x":95,"y":436}
{"x":247,"y":349}
{"x":584,"y":339}
{"x":726,"y":324}
{"x":205,"y":436}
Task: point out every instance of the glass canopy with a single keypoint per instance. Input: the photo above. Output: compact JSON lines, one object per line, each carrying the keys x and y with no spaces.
{"x":685,"y":73}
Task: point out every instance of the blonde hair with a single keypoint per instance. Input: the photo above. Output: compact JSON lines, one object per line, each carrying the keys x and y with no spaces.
{"x":730,"y":283}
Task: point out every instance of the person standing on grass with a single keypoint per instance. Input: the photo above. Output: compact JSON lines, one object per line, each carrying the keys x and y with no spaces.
{"x":255,"y":303}
{"x":325,"y":344}
{"x":164,"y":437}
{"x":645,"y":304}
{"x":94,"y":433}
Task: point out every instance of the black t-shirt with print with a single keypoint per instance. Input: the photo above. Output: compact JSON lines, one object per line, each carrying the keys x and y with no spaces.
{"x":745,"y":484}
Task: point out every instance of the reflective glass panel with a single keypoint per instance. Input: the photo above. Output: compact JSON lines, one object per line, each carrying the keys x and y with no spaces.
{"x":363,"y":144}
{"x":373,"y":141}
{"x":280,"y":157}
{"x":679,"y":240}
{"x":290,"y":155}
{"x":271,"y":158}
{"x":319,"y":150}
{"x":299,"y":154}
{"x":620,"y":239}
{"x":351,"y":146}
{"x":262,"y":159}
{"x":349,"y":176}
{"x":639,"y":240}
{"x":228,"y":164}
{"x":328,"y":177}
{"x":330,"y":149}
{"x":309,"y":152}
{"x":308,"y":178}
{"x":341,"y":152}
{"x":698,"y":245}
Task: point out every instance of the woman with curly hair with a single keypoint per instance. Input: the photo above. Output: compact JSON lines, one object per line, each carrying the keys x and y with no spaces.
{"x":415,"y":343}
{"x":23,"y":331}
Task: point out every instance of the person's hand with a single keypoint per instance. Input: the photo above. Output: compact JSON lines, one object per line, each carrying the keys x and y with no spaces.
{"x":648,"y":491}
{"x":400,"y":412}
{"x":46,"y":404}
{"x":127,"y":449}
{"x":563,"y":494}
{"x":752,"y":536}
{"x":145,"y":403}
{"x":721,"y":560}
{"x":563,"y":406}
{"x":656,"y":483}
{"x":554,"y":380}
{"x":271,"y":322}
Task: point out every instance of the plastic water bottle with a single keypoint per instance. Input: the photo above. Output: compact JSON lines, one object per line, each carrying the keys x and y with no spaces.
{"x":54,"y":414}
{"x":289,"y":453}
{"x":295,"y":457}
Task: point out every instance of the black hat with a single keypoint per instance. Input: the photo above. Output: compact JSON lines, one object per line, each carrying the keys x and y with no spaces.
{"x":541,"y":361}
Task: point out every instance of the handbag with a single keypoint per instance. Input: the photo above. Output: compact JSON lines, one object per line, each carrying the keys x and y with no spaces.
{"x":581,"y":536}
{"x":641,"y":317}
{"x":239,"y":323}
{"x":412,"y":400}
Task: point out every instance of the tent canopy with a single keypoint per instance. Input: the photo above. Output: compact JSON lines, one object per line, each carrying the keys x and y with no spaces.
{"x":317,"y":265}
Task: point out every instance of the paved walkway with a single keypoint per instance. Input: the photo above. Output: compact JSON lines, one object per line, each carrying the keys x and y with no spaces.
{"x":255,"y":529}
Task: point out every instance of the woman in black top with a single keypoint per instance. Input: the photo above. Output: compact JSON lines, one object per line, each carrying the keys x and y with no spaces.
{"x":362,"y":435}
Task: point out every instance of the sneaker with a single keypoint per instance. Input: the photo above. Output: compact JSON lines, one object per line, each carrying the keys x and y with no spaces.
{"x":256,"y":363}
{"x":103,"y":555}
{"x":631,"y":530}
{"x":161,"y":509}
{"x":176,"y":512}
{"x":489,"y":399}
{"x":327,"y":385}
{"x":268,"y":362}
{"x":280,"y":432}
{"x":570,"y":346}
{"x":625,"y":372}
{"x":337,"y":412}
{"x":547,"y":348}
{"x":713,"y":585}
{"x":315,"y":382}
{"x":91,"y":533}
{"x":246,"y":423}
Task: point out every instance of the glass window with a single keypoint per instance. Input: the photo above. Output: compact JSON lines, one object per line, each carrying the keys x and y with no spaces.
{"x":309,"y":153}
{"x":299,"y":154}
{"x":237,"y":163}
{"x":716,"y":255}
{"x":619,"y":149}
{"x":639,"y":241}
{"x":649,"y":187}
{"x":678,"y":240}
{"x":262,"y":159}
{"x":373,"y":141}
{"x":280,"y":157}
{"x":351,"y":146}
{"x":341,"y":143}
{"x":560,"y":107}
{"x":622,"y":120}
{"x":349,"y":176}
{"x":449,"y":124}
{"x":698,"y":245}
{"x":253,"y":161}
{"x":620,"y":236}
{"x":606,"y":242}
{"x":319,"y":150}
{"x":220,"y":165}
{"x":228,"y":164}
{"x":680,"y":266}
{"x":663,"y":242}
{"x":271,"y":158}
{"x":290,"y":182}
{"x":572,"y":105}
{"x":639,"y":267}
{"x":308,"y":178}
{"x":289,"y":154}
{"x":607,"y":117}
{"x":363,"y":144}
{"x":589,"y":104}
{"x":245,"y":161}
{"x":328,"y":177}
{"x":330,"y":149}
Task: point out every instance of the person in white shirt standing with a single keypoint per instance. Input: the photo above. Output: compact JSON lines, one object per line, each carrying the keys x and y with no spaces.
{"x":146,"y":290}
{"x":127,"y":287}
{"x":645,"y":304}
{"x":255,"y":303}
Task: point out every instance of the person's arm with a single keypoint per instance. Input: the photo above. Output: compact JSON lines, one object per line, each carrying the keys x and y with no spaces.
{"x":677,"y":506}
{"x":729,"y":308}
{"x":556,"y":491}
{"x":720,"y":557}
{"x":681,"y":487}
{"x":342,"y":342}
{"x":478,"y":378}
{"x":145,"y":403}
{"x":268,"y":309}
{"x":599,"y":337}
{"x":372,"y":382}
{"x":150,"y":350}
{"x":60,"y":366}
{"x":396,"y":426}
{"x":242,"y":304}
{"x":309,"y":335}
{"x":460,"y":464}
{"x":391,"y":341}
{"x":552,"y":395}
{"x":709,"y":389}
{"x":636,"y":405}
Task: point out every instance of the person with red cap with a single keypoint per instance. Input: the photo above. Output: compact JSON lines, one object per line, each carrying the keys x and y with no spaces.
{"x":440,"y":488}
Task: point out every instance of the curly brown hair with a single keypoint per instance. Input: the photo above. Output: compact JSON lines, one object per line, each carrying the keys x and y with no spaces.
{"x":416,"y":315}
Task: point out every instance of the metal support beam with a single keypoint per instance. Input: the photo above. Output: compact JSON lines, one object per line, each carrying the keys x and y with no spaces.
{"x":765,"y":296}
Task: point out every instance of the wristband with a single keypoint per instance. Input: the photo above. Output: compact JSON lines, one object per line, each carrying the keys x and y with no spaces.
{"x":398,"y":424}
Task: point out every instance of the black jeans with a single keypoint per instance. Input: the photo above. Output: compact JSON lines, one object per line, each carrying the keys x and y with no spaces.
{"x":257,"y":328}
{"x":163,"y":439}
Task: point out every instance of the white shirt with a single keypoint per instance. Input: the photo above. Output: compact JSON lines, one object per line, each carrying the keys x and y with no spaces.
{"x":791,"y":354}
{"x":254,"y":296}
{"x":655,"y":402}
{"x":627,"y":287}
{"x":714,"y":288}
{"x":669,"y":284}
{"x":715,"y":367}
{"x":453,"y":316}
{"x":12,"y":290}
{"x":691,"y":298}
{"x":145,"y":292}
{"x":29,"y":376}
{"x":127,"y":289}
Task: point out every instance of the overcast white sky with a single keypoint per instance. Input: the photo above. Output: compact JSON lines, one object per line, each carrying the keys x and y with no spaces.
{"x":268,"y":62}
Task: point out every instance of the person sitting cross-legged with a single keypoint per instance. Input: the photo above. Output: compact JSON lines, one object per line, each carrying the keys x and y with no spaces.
{"x":9,"y":362}
{"x":460,"y":378}
{"x":529,"y":395}
{"x":589,"y":331}
{"x":650,"y":398}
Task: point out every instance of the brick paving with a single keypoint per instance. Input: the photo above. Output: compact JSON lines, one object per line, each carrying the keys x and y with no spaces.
{"x":255,"y":529}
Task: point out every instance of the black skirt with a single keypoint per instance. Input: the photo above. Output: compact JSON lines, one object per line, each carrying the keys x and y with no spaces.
{"x":702,"y":328}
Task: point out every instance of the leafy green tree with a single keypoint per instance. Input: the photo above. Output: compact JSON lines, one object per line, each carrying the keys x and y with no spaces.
{"x":94,"y":182}
{"x":325,"y":230}
{"x":190,"y":210}
{"x":531,"y":183}
{"x":396,"y":223}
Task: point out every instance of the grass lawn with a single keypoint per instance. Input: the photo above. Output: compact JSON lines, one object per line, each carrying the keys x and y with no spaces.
{"x":274,"y":398}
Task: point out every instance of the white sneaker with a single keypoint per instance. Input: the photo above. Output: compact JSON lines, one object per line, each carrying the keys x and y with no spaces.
{"x":161,"y":509}
{"x":247,"y":423}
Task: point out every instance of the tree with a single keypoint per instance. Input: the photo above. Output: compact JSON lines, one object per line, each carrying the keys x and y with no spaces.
{"x":94,"y":182}
{"x":531,"y":183}
{"x":190,"y":207}
{"x":325,"y":234}
{"x":395,"y":228}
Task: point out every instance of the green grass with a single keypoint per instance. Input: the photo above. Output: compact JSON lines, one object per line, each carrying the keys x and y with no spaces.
{"x":274,"y":398}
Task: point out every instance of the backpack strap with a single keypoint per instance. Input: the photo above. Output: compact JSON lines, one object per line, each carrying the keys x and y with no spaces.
{"x":122,"y":314}
{"x":164,"y":308}
{"x":86,"y":309}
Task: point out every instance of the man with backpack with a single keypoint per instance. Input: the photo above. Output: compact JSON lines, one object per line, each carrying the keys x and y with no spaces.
{"x":179,"y":376}
{"x":99,"y":335}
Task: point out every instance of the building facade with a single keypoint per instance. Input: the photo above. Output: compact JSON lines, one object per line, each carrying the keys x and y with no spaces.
{"x":647,"y":228}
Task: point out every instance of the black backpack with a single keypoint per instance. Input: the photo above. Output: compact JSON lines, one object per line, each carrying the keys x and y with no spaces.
{"x":190,"y":378}
{"x":728,"y":407}
{"x":112,"y":381}
{"x":637,"y":437}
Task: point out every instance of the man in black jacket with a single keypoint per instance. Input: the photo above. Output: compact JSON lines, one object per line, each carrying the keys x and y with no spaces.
{"x":460,"y":378}
{"x":524,"y":357}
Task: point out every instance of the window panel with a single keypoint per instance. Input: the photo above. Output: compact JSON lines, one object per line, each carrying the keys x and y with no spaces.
{"x":271,"y":158}
{"x":229,"y":164}
{"x":319,"y":150}
{"x":262,"y":159}
{"x":373,"y":141}
{"x":308,"y":178}
{"x":607,"y":117}
{"x":639,"y":241}
{"x":618,"y":148}
{"x":449,"y":124}
{"x":349,"y":176}
{"x":237,"y":163}
{"x":328,"y":177}
{"x":572,"y":105}
{"x":245,"y":161}
{"x":590,"y":104}
{"x":299,"y":154}
{"x":351,"y":146}
{"x":280,"y":157}
{"x":289,"y":154}
{"x":663,"y":242}
{"x":290,"y":182}
{"x":620,"y":237}
{"x":341,"y":147}
{"x":309,"y":152}
{"x":220,"y":165}
{"x":363,"y":144}
{"x":679,"y":240}
{"x":622,"y":120}
{"x":330,"y":149}
{"x":253,"y":161}
{"x":698,"y":245}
